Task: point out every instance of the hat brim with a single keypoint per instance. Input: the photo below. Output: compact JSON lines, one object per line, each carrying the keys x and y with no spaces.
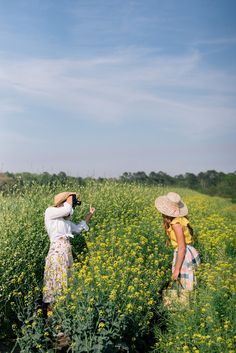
{"x":166,"y":207}
{"x":62,"y":197}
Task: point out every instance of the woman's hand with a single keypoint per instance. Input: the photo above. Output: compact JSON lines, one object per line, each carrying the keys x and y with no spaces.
{"x":175,"y":275}
{"x":90,"y":214}
{"x":92,"y":210}
{"x":70,"y":200}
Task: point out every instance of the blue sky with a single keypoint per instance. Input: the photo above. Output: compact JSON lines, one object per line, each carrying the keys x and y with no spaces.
{"x":100,"y":87}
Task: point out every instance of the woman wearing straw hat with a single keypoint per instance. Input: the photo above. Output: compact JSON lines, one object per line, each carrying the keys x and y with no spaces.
{"x":174,"y":212}
{"x":60,"y":229}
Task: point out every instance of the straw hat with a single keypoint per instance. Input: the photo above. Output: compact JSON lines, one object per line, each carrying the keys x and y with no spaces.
{"x":171,"y":205}
{"x":62,"y":197}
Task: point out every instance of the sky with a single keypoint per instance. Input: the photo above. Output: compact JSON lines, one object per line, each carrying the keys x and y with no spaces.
{"x":102,"y":87}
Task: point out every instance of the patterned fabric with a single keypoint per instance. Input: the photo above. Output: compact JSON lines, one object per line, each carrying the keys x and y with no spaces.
{"x":57,"y":269}
{"x":191,"y":261}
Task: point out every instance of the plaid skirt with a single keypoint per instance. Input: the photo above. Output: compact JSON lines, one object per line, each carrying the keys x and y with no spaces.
{"x":57,"y":269}
{"x":191,"y":261}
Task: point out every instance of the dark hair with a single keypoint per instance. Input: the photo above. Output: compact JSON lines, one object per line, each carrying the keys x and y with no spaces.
{"x":167,"y":221}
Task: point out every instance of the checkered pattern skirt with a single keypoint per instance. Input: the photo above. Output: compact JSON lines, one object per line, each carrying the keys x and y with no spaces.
{"x":57,"y":269}
{"x":191,"y":261}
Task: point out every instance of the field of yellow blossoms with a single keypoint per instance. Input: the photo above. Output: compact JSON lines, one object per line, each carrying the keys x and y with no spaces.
{"x":121,"y":265}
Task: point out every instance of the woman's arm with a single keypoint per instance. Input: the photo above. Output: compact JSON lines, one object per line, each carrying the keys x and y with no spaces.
{"x":90,"y":214}
{"x":58,"y":212}
{"x":181,"y":249}
{"x":83,"y":225}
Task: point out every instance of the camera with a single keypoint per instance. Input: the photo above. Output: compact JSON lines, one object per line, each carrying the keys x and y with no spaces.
{"x":75,"y":201}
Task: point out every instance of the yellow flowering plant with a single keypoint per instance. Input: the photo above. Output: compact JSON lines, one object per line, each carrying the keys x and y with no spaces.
{"x":113,"y":301}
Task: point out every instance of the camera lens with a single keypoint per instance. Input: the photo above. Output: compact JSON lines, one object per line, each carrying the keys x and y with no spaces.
{"x":76,"y":202}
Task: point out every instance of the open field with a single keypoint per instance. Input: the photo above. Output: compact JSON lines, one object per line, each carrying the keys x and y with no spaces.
{"x":122,"y":264}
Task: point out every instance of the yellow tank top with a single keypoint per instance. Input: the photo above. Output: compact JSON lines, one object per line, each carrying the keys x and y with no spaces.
{"x":187,"y":236}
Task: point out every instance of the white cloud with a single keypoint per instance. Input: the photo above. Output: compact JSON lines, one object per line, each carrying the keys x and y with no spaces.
{"x":130,"y":84}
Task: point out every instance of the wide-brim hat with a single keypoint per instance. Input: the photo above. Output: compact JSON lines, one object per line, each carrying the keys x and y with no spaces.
{"x":171,"y":205}
{"x":62,"y":197}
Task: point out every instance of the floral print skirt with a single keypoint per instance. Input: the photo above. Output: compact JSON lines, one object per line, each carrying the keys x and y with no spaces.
{"x":57,"y":269}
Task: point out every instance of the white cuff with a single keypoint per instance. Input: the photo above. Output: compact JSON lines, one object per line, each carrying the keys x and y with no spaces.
{"x":84,"y":226}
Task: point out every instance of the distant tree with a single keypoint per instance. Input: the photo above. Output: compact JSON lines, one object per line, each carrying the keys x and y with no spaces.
{"x":80,"y":180}
{"x":202,"y":180}
{"x":165,"y":179}
{"x":62,"y":177}
{"x":191,"y":180}
{"x":140,"y":176}
{"x":179,"y":180}
{"x":210,"y":179}
{"x":126,"y":176}
{"x":159,"y":178}
{"x":6,"y":181}
{"x":45,"y":178}
{"x":227,"y":186}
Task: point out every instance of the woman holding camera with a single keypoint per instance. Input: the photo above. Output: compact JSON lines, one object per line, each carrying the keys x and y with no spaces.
{"x":60,"y":229}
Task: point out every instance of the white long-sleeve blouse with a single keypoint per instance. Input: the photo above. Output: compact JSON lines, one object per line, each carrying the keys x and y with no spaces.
{"x":57,"y":226}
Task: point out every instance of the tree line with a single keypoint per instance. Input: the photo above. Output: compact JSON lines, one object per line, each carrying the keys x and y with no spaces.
{"x":210,"y":182}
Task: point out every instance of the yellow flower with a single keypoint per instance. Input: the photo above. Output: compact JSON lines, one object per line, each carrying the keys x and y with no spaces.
{"x":101,"y":325}
{"x":50,"y":313}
